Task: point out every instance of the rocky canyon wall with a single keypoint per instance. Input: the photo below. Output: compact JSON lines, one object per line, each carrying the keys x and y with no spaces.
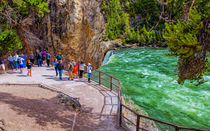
{"x":74,"y":28}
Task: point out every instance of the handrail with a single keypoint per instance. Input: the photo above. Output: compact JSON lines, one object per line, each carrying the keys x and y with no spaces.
{"x":120,"y":104}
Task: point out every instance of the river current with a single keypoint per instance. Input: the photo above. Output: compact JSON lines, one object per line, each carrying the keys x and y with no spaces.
{"x":148,"y":77}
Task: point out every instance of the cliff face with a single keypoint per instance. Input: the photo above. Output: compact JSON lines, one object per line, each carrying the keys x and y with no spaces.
{"x":74,"y":28}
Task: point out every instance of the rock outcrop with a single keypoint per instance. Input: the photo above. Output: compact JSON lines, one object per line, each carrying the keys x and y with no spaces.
{"x":74,"y":28}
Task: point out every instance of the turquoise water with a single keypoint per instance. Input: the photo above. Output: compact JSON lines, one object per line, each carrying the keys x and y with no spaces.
{"x":148,"y":76}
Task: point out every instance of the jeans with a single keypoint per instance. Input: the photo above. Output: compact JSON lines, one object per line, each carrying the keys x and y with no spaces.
{"x":12,"y":65}
{"x":56,"y":70}
{"x":16,"y":64}
{"x":39,"y":62}
{"x":60,"y":74}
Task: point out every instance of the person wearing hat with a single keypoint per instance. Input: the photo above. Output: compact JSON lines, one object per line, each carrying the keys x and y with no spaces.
{"x":89,"y":71}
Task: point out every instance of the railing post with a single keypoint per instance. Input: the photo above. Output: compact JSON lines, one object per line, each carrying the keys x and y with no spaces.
{"x":111,"y":84}
{"x":120,"y":114}
{"x":137,"y":123}
{"x":99,"y":78}
{"x":176,"y":128}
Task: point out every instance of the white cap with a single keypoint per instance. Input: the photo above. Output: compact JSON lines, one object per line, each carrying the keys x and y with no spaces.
{"x":89,"y":64}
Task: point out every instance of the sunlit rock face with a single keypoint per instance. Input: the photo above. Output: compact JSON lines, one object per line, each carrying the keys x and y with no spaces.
{"x":74,"y":28}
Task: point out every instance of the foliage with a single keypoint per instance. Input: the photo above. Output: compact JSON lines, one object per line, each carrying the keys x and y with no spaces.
{"x":181,"y":37}
{"x":117,"y":19}
{"x":143,"y":37}
{"x":149,"y":11}
{"x":9,"y":41}
{"x":183,"y":42}
{"x":15,"y":16}
{"x":24,"y":7}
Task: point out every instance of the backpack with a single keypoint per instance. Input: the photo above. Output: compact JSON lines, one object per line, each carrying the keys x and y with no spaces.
{"x":60,"y":67}
{"x":71,"y":67}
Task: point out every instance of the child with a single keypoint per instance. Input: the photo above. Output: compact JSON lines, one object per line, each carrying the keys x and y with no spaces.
{"x":71,"y":68}
{"x":89,"y":71}
{"x":29,"y":66}
{"x":60,"y":69}
{"x":55,"y":63}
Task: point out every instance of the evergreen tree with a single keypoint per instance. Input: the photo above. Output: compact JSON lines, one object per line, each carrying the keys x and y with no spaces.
{"x":183,"y":42}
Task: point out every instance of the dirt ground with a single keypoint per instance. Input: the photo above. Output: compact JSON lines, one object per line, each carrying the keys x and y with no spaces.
{"x":30,"y":108}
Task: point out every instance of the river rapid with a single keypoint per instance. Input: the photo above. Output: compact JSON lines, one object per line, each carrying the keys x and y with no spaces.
{"x":148,"y":77}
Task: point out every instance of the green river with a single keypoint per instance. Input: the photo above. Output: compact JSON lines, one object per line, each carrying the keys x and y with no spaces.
{"x":149,"y":77}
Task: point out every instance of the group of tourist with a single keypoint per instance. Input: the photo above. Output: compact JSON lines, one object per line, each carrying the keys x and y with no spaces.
{"x":18,"y":62}
{"x":72,"y":68}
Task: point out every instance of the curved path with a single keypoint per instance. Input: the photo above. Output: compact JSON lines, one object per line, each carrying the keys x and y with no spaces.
{"x":99,"y":101}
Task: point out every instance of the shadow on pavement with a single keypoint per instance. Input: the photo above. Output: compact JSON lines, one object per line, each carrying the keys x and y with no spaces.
{"x":49,"y":112}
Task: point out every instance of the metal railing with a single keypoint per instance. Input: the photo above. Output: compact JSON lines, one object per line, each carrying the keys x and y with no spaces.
{"x":114,"y":84}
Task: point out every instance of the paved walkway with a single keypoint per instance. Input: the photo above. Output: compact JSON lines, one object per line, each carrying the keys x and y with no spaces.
{"x":99,"y":101}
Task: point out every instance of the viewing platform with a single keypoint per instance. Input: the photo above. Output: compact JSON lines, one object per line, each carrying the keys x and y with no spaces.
{"x":99,"y":103}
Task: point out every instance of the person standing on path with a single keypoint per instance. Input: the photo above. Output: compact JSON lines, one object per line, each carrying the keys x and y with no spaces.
{"x":2,"y":66}
{"x":43,"y":56}
{"x":55,"y":63}
{"x":24,"y":60}
{"x":29,"y":66}
{"x":81,"y":69}
{"x":58,"y":57}
{"x":48,"y":56}
{"x":89,"y":71}
{"x":60,"y":69}
{"x":16,"y":57}
{"x":11,"y":62}
{"x":31,"y":57}
{"x":75,"y":69}
{"x":21,"y":65}
{"x":39,"y":58}
{"x":70,"y":70}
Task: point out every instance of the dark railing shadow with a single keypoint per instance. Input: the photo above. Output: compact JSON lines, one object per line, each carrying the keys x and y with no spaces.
{"x":110,"y":104}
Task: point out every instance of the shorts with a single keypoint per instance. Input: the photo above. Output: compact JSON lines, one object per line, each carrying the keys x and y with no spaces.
{"x":2,"y":66}
{"x":89,"y":74}
{"x":74,"y":71}
{"x":21,"y":66}
{"x":43,"y":58}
